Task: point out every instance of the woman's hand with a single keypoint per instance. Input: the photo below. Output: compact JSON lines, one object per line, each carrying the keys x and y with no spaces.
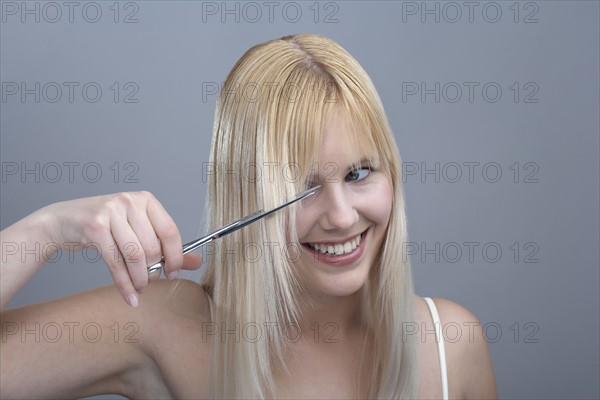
{"x":132,"y":230}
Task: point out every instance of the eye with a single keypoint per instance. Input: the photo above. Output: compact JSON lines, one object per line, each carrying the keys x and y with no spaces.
{"x":311,"y":184}
{"x":358,"y":174}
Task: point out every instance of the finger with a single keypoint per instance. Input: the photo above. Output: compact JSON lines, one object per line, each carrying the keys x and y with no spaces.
{"x":133,"y":253}
{"x":169,"y":237}
{"x":144,"y":231}
{"x":191,"y":261}
{"x":118,"y":270}
{"x":154,"y":276}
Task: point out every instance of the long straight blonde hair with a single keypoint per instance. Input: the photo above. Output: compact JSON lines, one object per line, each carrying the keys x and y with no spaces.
{"x":268,"y":128}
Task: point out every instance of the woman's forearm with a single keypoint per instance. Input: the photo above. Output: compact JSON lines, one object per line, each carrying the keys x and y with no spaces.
{"x":24,"y":250}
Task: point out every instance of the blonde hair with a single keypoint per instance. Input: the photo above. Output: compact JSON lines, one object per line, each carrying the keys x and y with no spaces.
{"x":269,"y":119}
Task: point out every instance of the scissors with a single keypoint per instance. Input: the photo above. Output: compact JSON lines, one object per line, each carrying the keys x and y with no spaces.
{"x":234,"y":226}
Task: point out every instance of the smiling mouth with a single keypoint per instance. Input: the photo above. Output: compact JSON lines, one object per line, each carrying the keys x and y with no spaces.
{"x":337,"y":249}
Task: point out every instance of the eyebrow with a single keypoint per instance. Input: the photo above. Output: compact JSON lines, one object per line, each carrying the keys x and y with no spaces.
{"x":364,"y":160}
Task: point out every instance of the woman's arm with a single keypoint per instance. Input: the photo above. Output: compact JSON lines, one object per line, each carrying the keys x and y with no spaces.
{"x":93,"y":343}
{"x":18,"y":263}
{"x":72,"y":347}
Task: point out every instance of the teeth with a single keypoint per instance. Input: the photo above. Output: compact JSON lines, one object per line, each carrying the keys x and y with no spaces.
{"x":337,"y":249}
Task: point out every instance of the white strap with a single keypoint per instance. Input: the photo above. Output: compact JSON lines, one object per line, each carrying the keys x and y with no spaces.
{"x":439,"y":338}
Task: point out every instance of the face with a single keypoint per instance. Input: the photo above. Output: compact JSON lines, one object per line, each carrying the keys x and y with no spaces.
{"x":341,"y":228}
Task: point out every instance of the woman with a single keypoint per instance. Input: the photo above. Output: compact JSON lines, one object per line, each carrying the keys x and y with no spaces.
{"x":314,"y":302}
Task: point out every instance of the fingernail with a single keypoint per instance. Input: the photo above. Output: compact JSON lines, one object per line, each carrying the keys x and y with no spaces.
{"x":173,"y":275}
{"x":132,"y":300}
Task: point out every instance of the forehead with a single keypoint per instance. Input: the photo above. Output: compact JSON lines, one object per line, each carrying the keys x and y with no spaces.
{"x":344,"y":140}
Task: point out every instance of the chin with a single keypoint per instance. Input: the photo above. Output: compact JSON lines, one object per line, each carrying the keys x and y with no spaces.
{"x":343,"y":284}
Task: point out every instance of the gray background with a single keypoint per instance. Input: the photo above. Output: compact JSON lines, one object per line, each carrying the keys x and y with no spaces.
{"x":544,"y":298}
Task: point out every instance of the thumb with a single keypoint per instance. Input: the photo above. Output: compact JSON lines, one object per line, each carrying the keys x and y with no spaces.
{"x":191,"y":261}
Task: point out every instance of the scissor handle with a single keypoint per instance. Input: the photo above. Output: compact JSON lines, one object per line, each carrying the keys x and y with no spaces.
{"x":193,"y":245}
{"x":156,"y":267}
{"x":186,"y":249}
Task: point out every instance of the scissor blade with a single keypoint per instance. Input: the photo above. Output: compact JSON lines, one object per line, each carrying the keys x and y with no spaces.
{"x":247,"y":220}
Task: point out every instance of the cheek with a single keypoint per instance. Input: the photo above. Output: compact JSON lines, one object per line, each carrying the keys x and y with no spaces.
{"x":304,"y":221}
{"x":379,"y":205}
{"x":375,"y":204}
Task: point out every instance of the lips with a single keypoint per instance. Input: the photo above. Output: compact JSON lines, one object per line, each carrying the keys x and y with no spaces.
{"x":337,"y":249}
{"x":340,"y":253}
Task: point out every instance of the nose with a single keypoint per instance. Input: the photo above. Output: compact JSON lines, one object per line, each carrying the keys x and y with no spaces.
{"x":339,"y":212}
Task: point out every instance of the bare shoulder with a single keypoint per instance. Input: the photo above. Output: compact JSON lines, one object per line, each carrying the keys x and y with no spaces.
{"x":176,"y":317}
{"x":451,"y":312}
{"x":468,"y":361}
{"x":173,"y":311}
{"x":181,"y":298}
{"x":166,"y":328}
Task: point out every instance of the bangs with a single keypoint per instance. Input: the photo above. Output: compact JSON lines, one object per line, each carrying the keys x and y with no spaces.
{"x":305,"y":123}
{"x":360,"y":134}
